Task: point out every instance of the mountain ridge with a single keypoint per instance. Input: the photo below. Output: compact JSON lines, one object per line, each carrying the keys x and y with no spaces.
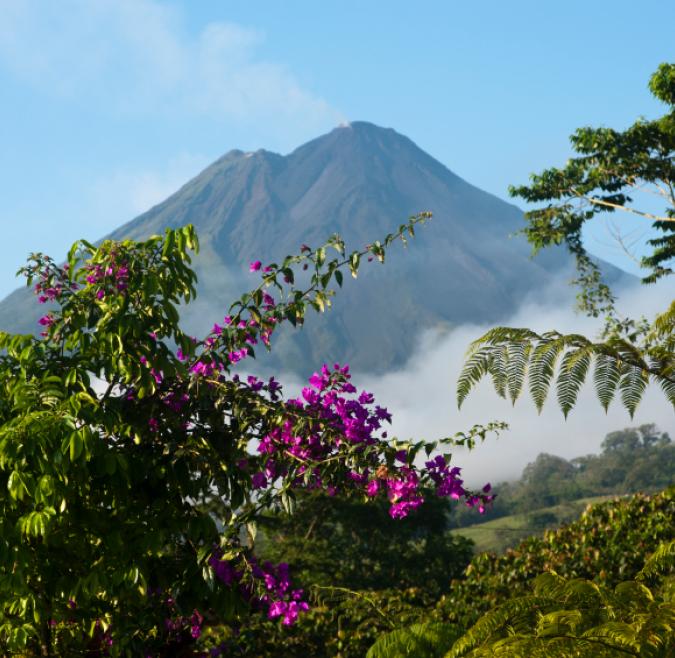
{"x":361,"y":181}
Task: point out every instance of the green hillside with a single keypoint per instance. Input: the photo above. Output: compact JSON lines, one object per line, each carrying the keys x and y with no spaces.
{"x":499,"y":534}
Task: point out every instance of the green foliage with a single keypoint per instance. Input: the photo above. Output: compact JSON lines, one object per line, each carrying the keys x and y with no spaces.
{"x":119,"y":457}
{"x":350,"y":554}
{"x":577,"y":592}
{"x":81,"y":473}
{"x":426,"y":640}
{"x":611,"y":167}
{"x":577,"y":617}
{"x":620,"y":366}
{"x":631,"y":354}
{"x":356,"y":545}
{"x":607,"y":544}
{"x":632,"y":460}
{"x":498,"y":534}
{"x":340,"y":624}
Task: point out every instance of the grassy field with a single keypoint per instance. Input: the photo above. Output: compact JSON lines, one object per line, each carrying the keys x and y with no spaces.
{"x":499,"y":534}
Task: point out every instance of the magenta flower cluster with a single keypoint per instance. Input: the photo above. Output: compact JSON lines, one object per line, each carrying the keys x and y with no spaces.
{"x":235,"y":339}
{"x":54,"y":283}
{"x":177,"y":626}
{"x":112,"y":276}
{"x":265,"y":585}
{"x":346,"y":418}
{"x":448,"y":483}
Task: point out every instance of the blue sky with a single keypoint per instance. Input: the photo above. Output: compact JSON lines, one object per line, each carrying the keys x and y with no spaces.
{"x":108,"y":106}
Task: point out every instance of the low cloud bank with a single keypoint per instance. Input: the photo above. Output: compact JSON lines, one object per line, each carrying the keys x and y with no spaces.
{"x":421,"y":395}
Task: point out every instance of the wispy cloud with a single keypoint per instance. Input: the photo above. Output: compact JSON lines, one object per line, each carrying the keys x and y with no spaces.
{"x":121,"y":195}
{"x":136,"y":56}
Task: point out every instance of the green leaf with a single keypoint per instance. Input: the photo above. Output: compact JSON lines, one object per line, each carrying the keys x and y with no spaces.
{"x":76,"y":445}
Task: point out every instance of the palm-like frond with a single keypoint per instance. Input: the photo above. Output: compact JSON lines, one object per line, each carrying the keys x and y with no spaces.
{"x":431,"y":640}
{"x":578,"y":617}
{"x":511,"y":356}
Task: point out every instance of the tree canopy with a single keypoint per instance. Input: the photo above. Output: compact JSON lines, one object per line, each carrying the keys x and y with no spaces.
{"x":631,"y":353}
{"x":135,"y":461}
{"x":611,"y":166}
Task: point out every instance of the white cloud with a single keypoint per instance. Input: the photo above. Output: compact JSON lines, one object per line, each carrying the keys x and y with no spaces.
{"x":421,"y":396}
{"x":136,"y":56}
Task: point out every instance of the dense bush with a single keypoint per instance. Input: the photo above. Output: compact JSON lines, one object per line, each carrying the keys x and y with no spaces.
{"x":564,"y":617}
{"x":351,"y":555}
{"x":348,"y":543}
{"x":339,"y":624}
{"x":608,"y":544}
{"x":559,"y":618}
{"x":135,"y":461}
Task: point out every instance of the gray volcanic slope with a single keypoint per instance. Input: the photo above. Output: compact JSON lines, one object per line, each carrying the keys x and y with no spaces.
{"x":361,"y":181}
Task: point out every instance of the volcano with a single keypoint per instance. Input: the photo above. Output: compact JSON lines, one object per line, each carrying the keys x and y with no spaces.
{"x":361,"y":181}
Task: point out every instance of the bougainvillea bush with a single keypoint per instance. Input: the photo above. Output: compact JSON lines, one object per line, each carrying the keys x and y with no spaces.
{"x":134,"y":460}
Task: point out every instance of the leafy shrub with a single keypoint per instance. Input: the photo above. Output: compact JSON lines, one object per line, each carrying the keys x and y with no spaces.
{"x":577,"y":617}
{"x":608,"y":544}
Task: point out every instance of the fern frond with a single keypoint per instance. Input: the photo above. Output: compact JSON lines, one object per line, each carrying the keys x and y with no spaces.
{"x":618,"y":635}
{"x":498,"y":368}
{"x":475,"y":368}
{"x":542,"y":369}
{"x":657,"y":634}
{"x":560,"y":622}
{"x":518,"y":354}
{"x":510,"y":356}
{"x":549,"y":585}
{"x":430,"y":640}
{"x":606,"y":377}
{"x":573,"y":370}
{"x":632,"y":384}
{"x":494,"y":621}
{"x":664,"y":323}
{"x":660,"y":562}
{"x":668,"y":387}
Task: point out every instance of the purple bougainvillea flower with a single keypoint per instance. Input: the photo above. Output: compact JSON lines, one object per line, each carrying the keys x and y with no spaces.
{"x":258,"y":481}
{"x":255,"y":266}
{"x":372,"y":488}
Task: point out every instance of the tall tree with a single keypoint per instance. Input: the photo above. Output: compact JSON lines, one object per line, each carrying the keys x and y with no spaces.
{"x":611,"y":167}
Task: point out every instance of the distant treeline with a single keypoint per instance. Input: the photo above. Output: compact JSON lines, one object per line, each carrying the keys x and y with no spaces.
{"x":633,"y":459}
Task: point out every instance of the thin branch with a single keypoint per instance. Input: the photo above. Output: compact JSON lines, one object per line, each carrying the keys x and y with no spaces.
{"x":618,"y":237}
{"x":618,"y":206}
{"x":359,"y":595}
{"x":311,"y":528}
